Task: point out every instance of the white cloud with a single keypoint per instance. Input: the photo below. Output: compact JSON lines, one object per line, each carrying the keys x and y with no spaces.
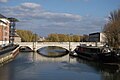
{"x":60,"y":17}
{"x":35,"y":11}
{"x":33,"y":17}
{"x":3,"y":0}
{"x":30,"y":5}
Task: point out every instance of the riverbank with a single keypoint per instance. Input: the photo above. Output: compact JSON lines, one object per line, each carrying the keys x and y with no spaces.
{"x":8,"y":54}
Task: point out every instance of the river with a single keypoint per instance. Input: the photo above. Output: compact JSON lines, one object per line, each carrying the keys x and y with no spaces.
{"x":33,"y":66}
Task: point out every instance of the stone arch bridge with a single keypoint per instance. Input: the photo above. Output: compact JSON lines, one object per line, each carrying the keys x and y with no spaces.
{"x":67,"y":45}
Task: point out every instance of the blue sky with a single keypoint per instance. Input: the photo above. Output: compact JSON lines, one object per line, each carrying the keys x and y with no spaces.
{"x":59,"y":16}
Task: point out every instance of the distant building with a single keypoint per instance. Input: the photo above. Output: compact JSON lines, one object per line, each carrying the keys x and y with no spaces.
{"x":17,"y":38}
{"x":41,"y":39}
{"x":4,"y":30}
{"x":97,"y":37}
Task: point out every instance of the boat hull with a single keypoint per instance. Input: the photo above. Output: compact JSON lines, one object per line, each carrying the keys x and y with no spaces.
{"x":110,"y":57}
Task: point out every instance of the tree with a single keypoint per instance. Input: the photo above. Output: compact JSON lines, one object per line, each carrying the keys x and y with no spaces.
{"x":52,"y":37}
{"x":75,"y":38}
{"x":63,"y":37}
{"x":84,"y":38}
{"x":27,"y":36}
{"x":112,"y":29}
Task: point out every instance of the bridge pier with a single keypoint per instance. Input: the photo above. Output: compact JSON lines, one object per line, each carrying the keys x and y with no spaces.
{"x":34,"y":46}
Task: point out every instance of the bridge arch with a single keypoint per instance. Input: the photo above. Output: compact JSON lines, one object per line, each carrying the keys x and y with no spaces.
{"x":64,"y":47}
{"x":52,"y":51}
{"x":25,"y":48}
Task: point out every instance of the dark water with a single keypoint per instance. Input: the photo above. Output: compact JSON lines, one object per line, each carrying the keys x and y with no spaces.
{"x":53,"y":51}
{"x":33,"y":66}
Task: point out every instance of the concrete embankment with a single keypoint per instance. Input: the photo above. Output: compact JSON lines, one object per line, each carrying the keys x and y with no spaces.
{"x":10,"y":55}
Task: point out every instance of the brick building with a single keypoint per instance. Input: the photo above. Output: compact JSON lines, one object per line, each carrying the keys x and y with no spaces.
{"x":4,"y":30}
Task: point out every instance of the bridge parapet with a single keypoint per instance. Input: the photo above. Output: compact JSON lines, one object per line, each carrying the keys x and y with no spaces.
{"x":66,"y":45}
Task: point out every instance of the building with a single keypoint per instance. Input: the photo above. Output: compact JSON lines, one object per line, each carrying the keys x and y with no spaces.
{"x":97,"y":37}
{"x":17,"y":38}
{"x":4,"y":30}
{"x":40,"y":39}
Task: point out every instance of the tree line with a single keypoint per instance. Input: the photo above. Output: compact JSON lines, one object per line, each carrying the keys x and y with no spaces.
{"x":63,"y":37}
{"x":29,"y":36}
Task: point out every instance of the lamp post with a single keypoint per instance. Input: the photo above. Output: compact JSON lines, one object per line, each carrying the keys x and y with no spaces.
{"x":69,"y":35}
{"x":69,"y":41}
{"x":34,"y":42}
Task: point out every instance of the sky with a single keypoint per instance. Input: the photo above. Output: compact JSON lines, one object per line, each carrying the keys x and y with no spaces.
{"x":59,"y":16}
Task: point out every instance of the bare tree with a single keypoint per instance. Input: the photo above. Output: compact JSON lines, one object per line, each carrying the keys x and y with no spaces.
{"x":112,"y":29}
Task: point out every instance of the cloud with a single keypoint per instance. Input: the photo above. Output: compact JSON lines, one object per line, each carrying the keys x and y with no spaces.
{"x":60,"y":17}
{"x":29,"y":11}
{"x":33,"y":16}
{"x":78,"y":0}
{"x":30,"y":5}
{"x":3,"y":0}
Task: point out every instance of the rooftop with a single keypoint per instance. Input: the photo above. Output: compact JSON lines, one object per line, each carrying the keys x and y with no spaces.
{"x":1,"y":16}
{"x":2,"y":21}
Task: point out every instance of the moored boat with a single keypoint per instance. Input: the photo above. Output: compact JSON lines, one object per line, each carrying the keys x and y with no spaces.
{"x":101,"y":54}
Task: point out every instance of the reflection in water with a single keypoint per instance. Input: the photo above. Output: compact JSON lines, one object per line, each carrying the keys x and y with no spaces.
{"x":52,"y":51}
{"x":108,"y":71}
{"x":100,"y":67}
{"x":32,"y":66}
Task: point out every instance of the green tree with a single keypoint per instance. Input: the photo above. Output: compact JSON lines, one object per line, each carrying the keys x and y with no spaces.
{"x":52,"y":37}
{"x":27,"y":36}
{"x":76,"y":38}
{"x":63,"y":37}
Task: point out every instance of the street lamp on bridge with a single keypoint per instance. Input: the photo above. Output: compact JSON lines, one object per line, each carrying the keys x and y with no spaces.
{"x":69,"y":35}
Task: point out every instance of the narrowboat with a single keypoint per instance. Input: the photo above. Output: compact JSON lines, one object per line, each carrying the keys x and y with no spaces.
{"x":101,"y":54}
